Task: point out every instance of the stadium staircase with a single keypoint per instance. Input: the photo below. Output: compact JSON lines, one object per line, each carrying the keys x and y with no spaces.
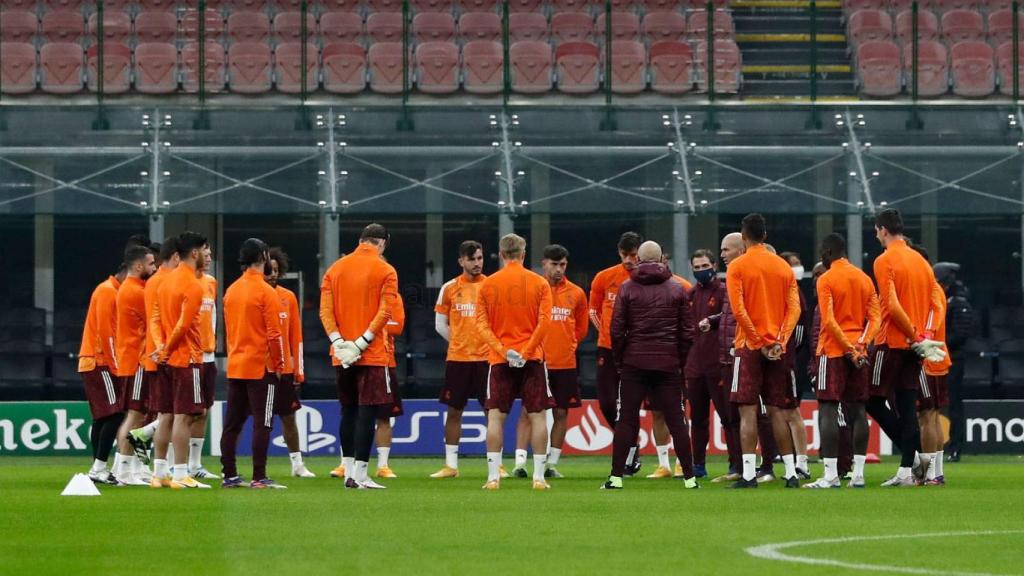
{"x":775,"y":38}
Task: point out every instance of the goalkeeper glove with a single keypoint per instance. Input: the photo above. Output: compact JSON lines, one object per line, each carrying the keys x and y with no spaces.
{"x":515,"y":359}
{"x":347,"y":353}
{"x":930,"y":350}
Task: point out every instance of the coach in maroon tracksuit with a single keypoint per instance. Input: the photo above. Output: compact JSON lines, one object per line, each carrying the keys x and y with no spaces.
{"x":649,"y":344}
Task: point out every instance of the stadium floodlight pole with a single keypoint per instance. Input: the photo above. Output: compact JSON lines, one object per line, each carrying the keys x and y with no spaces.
{"x":865,"y":184}
{"x":683,"y":164}
{"x":332,"y":162}
{"x":155,"y":147}
{"x":507,"y":175}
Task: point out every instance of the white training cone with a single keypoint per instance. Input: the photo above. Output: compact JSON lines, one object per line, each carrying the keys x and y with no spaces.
{"x":80,"y":485}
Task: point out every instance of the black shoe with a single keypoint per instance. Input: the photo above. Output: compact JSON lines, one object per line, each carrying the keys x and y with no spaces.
{"x":519,"y":473}
{"x":741,"y":483}
{"x":609,"y":486}
{"x":792,"y":482}
{"x":953,"y":456}
{"x":803,"y":474}
{"x":635,"y":468}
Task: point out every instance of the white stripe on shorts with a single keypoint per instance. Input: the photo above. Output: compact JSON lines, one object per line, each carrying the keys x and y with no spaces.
{"x":760,"y":402}
{"x":735,"y":375}
{"x":823,"y":372}
{"x":547,"y":381}
{"x":924,"y":385}
{"x":109,"y":386}
{"x":197,"y":392}
{"x":876,"y":377}
{"x":842,"y":417}
{"x":268,"y":414}
{"x":137,"y":387}
{"x":387,"y":379}
{"x":489,"y":381}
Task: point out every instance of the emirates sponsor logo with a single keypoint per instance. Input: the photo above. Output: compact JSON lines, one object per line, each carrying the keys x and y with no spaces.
{"x":466,"y":310}
{"x":559,"y":314}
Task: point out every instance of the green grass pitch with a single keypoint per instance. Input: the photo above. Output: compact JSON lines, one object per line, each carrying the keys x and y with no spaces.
{"x":424,"y":526}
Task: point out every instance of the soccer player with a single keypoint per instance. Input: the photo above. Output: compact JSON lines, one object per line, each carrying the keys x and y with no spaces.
{"x":850,"y":320}
{"x":131,"y":344}
{"x":569,"y":323}
{"x":911,"y":310}
{"x":97,"y":360}
{"x":256,"y":362}
{"x":208,"y":375}
{"x":286,"y":396}
{"x":649,"y":344}
{"x":393,"y":328}
{"x":934,"y":396}
{"x":466,"y":368}
{"x":764,"y":300}
{"x":703,"y":371}
{"x":356,"y":297}
{"x":513,"y":314}
{"x":175,"y":328}
{"x":603,"y":290}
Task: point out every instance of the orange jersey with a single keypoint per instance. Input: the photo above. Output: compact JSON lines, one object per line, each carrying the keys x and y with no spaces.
{"x":252,"y":324}
{"x":100,"y":330}
{"x":291,"y":333}
{"x":208,"y":317}
{"x":764,"y":298}
{"x":131,"y":325}
{"x":152,"y":285}
{"x":849,"y":309}
{"x":457,"y":301}
{"x":569,"y":323}
{"x":940,"y":368}
{"x":603,"y":291}
{"x":175,"y":319}
{"x":394,"y":327}
{"x":513,"y":312}
{"x":911,"y":300}
{"x":356,"y":296}
{"x":686,"y":283}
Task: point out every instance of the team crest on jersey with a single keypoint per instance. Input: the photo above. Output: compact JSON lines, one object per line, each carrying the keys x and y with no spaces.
{"x":712,"y":301}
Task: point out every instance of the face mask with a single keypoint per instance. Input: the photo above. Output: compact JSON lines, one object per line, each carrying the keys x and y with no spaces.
{"x":798,"y":271}
{"x":704,"y":276}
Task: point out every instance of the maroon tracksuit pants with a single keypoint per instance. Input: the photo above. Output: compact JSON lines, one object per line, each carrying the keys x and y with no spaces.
{"x":666,"y":392}
{"x":701,"y":392}
{"x":248,"y":398}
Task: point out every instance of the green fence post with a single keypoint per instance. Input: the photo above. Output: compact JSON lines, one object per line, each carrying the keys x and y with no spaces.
{"x":914,"y":122}
{"x":99,"y":52}
{"x":814,"y":51}
{"x":710,"y":48}
{"x":202,"y":52}
{"x":405,"y":122}
{"x":303,"y":37}
{"x":1016,"y":51}
{"x":609,"y":115}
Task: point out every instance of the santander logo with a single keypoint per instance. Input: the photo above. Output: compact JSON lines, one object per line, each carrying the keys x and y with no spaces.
{"x":590,"y":434}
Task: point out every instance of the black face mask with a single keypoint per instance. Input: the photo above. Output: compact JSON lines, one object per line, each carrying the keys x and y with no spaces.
{"x":704,"y":277}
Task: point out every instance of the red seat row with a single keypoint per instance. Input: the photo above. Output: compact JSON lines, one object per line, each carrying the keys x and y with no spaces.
{"x":460,"y":6}
{"x":897,"y":6}
{"x":957,"y":26}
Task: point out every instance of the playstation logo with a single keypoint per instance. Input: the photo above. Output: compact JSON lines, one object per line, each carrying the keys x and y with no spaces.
{"x":310,"y":424}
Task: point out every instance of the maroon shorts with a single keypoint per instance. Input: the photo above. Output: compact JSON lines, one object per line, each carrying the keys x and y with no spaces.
{"x":208,"y":381}
{"x":463,"y":381}
{"x":791,"y":396}
{"x":505,"y":384}
{"x":893,"y":370}
{"x":932,"y":394}
{"x":161,"y":394}
{"x":286,"y":396}
{"x":565,"y":387}
{"x":102,"y":393}
{"x":840,"y":381}
{"x":188,"y":389}
{"x":134,"y":394}
{"x":365,"y":386}
{"x":394,"y":410}
{"x":756,"y":379}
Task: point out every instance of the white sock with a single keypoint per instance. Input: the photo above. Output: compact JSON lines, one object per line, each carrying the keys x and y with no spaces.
{"x":493,"y":466}
{"x":831,"y":468}
{"x":342,"y":454}
{"x":553,"y":455}
{"x":930,"y":474}
{"x":296,"y":458}
{"x":663,"y":456}
{"x":939,"y":456}
{"x":787,"y":460}
{"x":360,"y":472}
{"x":858,"y":465}
{"x":350,"y":465}
{"x":160,"y":468}
{"x":170,"y":452}
{"x":382,"y":456}
{"x":520,"y":458}
{"x":540,"y":464}
{"x":195,"y":453}
{"x":116,"y":468}
{"x":150,"y":429}
{"x":903,"y":473}
{"x":180,"y":471}
{"x":451,"y":456}
{"x":749,"y":466}
{"x":98,"y":466}
{"x":801,"y":462}
{"x":134,"y":464}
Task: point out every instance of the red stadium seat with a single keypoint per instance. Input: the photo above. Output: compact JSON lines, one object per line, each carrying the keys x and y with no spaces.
{"x":117,"y":68}
{"x":623,"y":6}
{"x":50,"y":5}
{"x":527,"y":26}
{"x":728,"y":65}
{"x":156,"y":26}
{"x":18,"y":68}
{"x":658,"y":26}
{"x":354,"y":6}
{"x":697,"y":26}
{"x":437,"y":67}
{"x":530,"y":66}
{"x":570,"y":5}
{"x":217,"y":5}
{"x":478,"y":6}
{"x":671,"y":63}
{"x":961,"y":25}
{"x":158,"y":6}
{"x":18,"y":26}
{"x":577,"y":65}
{"x":662,"y":5}
{"x":384,"y":6}
{"x":385,"y":60}
{"x":246,"y":6}
{"x":867,"y":25}
{"x":927,"y":26}
{"x":215,"y":66}
{"x":851,"y":6}
{"x":482,"y":63}
{"x":384,"y":26}
{"x":433,"y":27}
{"x":946,"y":5}
{"x":1000,"y":26}
{"x":703,"y":5}
{"x":625,"y":26}
{"x":288,"y":27}
{"x":60,"y":65}
{"x":156,"y":68}
{"x":932,"y":68}
{"x":571,"y":27}
{"x":878,"y":68}
{"x":479,"y":26}
{"x":996,"y":5}
{"x":341,"y":27}
{"x":20,"y":5}
{"x":528,"y":6}
{"x":127,"y":6}
{"x":248,"y":26}
{"x":1004,"y":63}
{"x":249,"y":67}
{"x":629,"y":67}
{"x":288,"y":67}
{"x":117,"y":27}
{"x":344,"y":68}
{"x":214,"y":25}
{"x":420,"y":6}
{"x":897,"y":6}
{"x":972,"y":69}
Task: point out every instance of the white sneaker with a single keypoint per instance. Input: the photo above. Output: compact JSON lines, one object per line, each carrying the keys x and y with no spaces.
{"x":132,"y":480}
{"x":856,"y":482}
{"x":897,"y":482}
{"x":764,"y":478}
{"x":302,"y":472}
{"x":822,"y":483}
{"x":369,"y":484}
{"x":203,"y":474}
{"x":104,"y":477}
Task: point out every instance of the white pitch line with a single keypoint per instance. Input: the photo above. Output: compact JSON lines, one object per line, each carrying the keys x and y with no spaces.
{"x":773,"y":552}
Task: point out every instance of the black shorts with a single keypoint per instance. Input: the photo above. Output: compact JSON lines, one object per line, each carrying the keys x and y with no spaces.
{"x":208,"y":382}
{"x":565,"y":387}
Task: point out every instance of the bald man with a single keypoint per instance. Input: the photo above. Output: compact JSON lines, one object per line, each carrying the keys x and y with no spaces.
{"x":649,"y":342}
